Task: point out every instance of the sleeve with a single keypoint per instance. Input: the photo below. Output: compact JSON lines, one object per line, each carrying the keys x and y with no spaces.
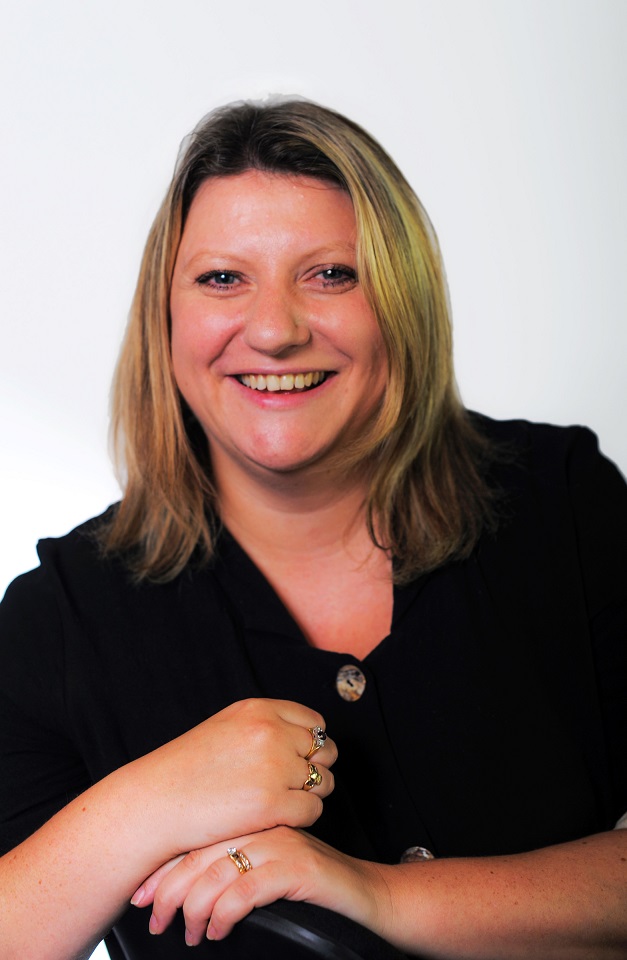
{"x":599,"y":502}
{"x":40,"y":770}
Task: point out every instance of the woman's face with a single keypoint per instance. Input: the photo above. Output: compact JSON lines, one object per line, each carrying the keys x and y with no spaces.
{"x":274,"y":346}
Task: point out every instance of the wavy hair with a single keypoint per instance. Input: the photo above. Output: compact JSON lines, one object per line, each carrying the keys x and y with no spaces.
{"x":428,"y":500}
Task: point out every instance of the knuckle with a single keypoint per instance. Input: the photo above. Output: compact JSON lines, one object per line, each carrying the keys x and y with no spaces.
{"x":263,"y":732}
{"x":195,"y":917}
{"x":162,"y":902}
{"x":284,"y":833}
{"x":214,"y":872}
{"x":306,"y":812}
{"x":193,"y":861}
{"x":318,"y":807}
{"x":266,"y":800}
{"x":244,"y":891}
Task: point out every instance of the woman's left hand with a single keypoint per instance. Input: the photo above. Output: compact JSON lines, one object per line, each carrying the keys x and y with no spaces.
{"x":286,"y":864}
{"x":565,"y":901}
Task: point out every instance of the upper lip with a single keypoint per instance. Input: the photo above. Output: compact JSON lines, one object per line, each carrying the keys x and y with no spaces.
{"x":280,"y":373}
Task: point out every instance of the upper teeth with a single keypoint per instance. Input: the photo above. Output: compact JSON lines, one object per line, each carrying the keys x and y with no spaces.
{"x":287,"y":381}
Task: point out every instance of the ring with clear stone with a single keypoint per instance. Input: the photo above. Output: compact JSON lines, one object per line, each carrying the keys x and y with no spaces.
{"x":318,"y":737}
{"x":240,"y":859}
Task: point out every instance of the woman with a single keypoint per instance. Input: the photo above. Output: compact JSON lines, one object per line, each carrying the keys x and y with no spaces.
{"x":315,"y":532}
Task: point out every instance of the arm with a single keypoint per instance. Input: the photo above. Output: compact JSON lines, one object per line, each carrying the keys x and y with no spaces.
{"x":63,"y":887}
{"x":566,"y":902}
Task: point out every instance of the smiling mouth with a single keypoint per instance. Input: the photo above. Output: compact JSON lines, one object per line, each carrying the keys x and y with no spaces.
{"x":283,"y":383}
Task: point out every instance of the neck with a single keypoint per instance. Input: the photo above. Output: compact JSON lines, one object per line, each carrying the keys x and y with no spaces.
{"x":284,"y":516}
{"x":311,"y":542}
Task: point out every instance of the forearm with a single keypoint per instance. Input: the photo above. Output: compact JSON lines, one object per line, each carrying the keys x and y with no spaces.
{"x":567,"y":902}
{"x":63,"y":888}
{"x":66,"y":884}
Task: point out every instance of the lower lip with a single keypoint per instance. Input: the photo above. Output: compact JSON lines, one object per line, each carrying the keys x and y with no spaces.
{"x":282,"y":398}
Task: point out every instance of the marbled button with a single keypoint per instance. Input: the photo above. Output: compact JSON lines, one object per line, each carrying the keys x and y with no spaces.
{"x":350,"y":682}
{"x":416,"y":854}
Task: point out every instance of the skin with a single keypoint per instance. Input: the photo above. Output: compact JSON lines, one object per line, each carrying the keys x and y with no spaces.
{"x":264,"y":283}
{"x":74,"y":876}
{"x":565,"y":902}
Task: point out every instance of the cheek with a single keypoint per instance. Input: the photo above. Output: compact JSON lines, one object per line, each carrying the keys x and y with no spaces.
{"x":179,"y":349}
{"x":191,"y":341}
{"x":189,"y":356}
{"x":377,"y":359}
{"x":369,"y":343}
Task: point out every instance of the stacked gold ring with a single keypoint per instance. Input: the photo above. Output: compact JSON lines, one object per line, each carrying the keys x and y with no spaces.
{"x":318,"y":737}
{"x":314,"y":779}
{"x":240,"y":859}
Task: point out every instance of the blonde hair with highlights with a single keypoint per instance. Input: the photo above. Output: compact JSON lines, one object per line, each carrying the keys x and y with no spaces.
{"x":428,"y":501}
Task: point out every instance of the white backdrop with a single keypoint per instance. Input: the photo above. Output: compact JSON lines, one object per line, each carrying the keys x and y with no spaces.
{"x":506,"y":115}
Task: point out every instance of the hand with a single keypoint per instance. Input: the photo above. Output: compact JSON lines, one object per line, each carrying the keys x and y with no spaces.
{"x":286,"y":864}
{"x":238,"y":772}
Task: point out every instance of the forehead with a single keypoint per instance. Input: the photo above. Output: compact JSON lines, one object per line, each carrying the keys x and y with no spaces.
{"x":257,"y":200}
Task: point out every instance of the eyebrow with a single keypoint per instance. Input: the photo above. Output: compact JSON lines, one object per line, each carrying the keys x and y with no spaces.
{"x":325,"y":251}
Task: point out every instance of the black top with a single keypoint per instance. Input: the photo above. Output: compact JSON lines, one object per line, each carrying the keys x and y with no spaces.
{"x":494,"y":718}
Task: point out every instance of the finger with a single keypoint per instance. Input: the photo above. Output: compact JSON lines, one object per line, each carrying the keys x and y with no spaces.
{"x":284,"y":862}
{"x":316,"y":779}
{"x":175,"y":886}
{"x":303,"y":809}
{"x":257,"y":888}
{"x":144,"y":894}
{"x":199,"y":903}
{"x":298,"y":714}
{"x":308,"y":727}
{"x":319,"y":747}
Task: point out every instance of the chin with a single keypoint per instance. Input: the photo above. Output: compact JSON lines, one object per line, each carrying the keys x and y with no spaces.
{"x":287,"y":462}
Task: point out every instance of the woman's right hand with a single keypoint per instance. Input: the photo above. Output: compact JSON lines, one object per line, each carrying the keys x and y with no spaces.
{"x":238,"y":772}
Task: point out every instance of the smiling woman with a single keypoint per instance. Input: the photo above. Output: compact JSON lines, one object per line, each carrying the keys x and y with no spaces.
{"x":417,"y":453}
{"x":265,"y":287}
{"x":314,"y":531}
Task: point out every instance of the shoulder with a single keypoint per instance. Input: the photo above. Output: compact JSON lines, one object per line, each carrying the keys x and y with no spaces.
{"x":563,"y":500}
{"x":76,"y":556}
{"x":81,"y":599}
{"x":80,"y":548}
{"x":34,"y":609}
{"x":543,"y":442}
{"x":549,"y":457}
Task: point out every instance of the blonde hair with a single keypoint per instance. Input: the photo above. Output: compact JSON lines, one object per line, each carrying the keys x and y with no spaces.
{"x":428,"y":499}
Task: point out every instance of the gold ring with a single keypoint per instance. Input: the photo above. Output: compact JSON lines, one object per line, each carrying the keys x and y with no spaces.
{"x":318,"y":736}
{"x":240,"y":859}
{"x":314,"y":779}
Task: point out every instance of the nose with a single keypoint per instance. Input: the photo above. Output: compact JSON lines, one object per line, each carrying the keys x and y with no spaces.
{"x":275,"y":324}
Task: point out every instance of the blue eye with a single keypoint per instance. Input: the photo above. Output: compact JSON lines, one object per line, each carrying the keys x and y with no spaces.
{"x":217,"y":278}
{"x":337,"y":276}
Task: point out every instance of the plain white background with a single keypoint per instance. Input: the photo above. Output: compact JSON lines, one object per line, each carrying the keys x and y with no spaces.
{"x":507,"y":116}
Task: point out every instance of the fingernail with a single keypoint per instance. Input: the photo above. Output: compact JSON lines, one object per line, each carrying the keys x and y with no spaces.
{"x":153,"y":925}
{"x":138,"y":896}
{"x":211,"y":932}
{"x":188,"y":938}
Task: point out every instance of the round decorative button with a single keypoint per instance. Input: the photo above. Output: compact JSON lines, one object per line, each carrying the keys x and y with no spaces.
{"x":350,"y":682}
{"x":416,"y":854}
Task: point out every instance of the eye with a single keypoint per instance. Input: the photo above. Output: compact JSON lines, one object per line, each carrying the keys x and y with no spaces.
{"x":218,"y":279}
{"x":337,"y":276}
